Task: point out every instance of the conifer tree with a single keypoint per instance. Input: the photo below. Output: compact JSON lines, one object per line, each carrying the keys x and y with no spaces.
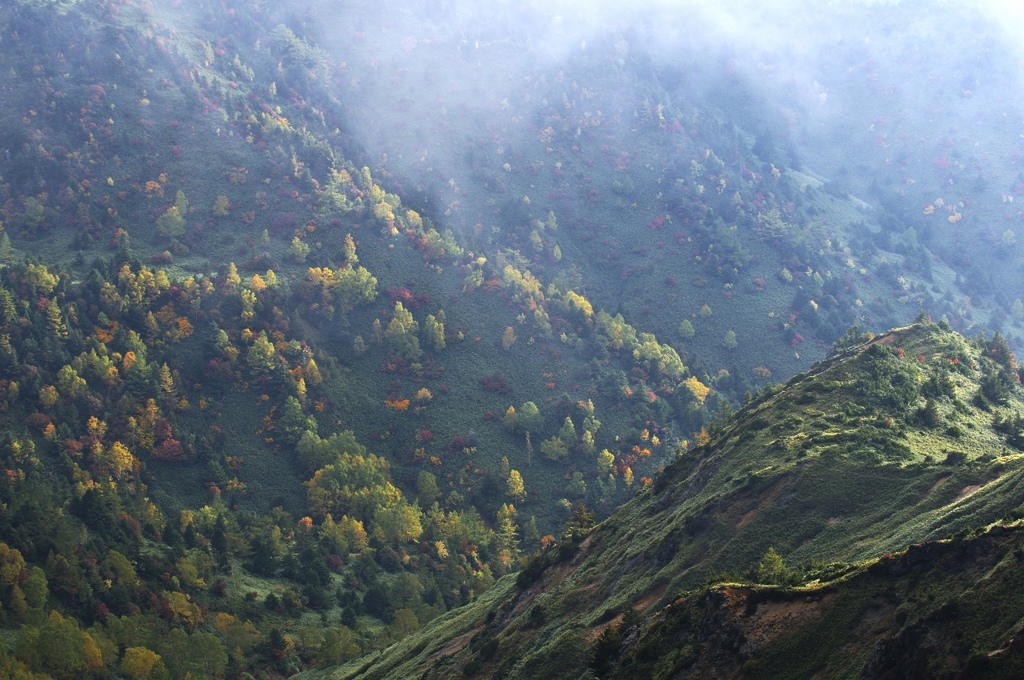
{"x":516,"y":486}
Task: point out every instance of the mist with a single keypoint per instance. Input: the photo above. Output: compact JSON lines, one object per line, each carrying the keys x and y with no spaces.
{"x":460,"y":57}
{"x":900,"y":104}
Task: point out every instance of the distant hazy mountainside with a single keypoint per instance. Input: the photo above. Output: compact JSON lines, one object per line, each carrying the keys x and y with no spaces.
{"x":889,"y":443}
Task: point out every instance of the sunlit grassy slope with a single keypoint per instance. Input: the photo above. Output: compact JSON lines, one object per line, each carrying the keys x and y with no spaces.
{"x":843,"y":464}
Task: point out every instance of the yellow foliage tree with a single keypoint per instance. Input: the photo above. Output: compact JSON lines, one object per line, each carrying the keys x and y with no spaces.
{"x":39,"y":278}
{"x":347,"y":534}
{"x":119,"y":461}
{"x":312,"y":372}
{"x":248,"y":303}
{"x":48,"y":395}
{"x":12,"y":564}
{"x":699,"y":390}
{"x":166,"y":379}
{"x":182,"y":610}
{"x":351,"y":259}
{"x":55,"y":320}
{"x":232,"y":279}
{"x":96,"y":427}
{"x":59,"y":648}
{"x":516,"y":486}
{"x":399,"y":523}
{"x":576,"y":301}
{"x":137,"y":662}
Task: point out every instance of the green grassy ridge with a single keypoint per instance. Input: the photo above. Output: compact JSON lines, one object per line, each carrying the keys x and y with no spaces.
{"x":780,"y":484}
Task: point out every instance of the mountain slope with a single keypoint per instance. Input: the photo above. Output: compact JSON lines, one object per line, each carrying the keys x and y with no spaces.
{"x":883,"y":445}
{"x":935,"y":610}
{"x":219,"y":294}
